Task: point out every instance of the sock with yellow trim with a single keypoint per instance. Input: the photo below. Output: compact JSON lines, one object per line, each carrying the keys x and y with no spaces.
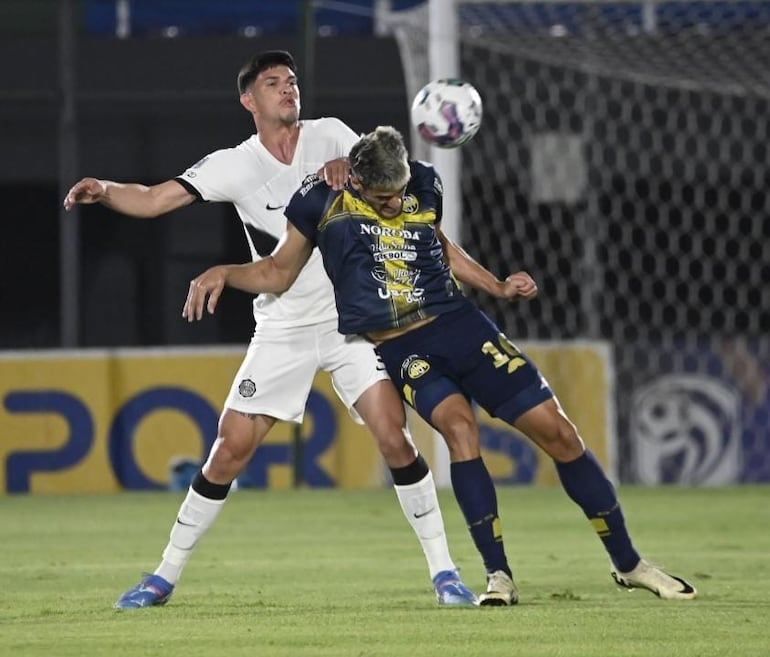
{"x":585,"y":482}
{"x":477,"y":499}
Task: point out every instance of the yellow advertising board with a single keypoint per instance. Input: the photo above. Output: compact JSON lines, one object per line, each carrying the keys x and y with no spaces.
{"x":104,"y":421}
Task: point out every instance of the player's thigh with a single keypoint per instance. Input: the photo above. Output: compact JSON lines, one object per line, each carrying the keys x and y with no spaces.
{"x":352,"y":362}
{"x":493,"y":371}
{"x":464,"y":352}
{"x":240,"y":435}
{"x":418,"y":374}
{"x":276,"y":374}
{"x":549,"y":427}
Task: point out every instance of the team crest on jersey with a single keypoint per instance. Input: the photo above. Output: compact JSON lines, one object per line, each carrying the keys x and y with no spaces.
{"x":246,"y":388}
{"x":410,"y":205}
{"x":414,"y":367}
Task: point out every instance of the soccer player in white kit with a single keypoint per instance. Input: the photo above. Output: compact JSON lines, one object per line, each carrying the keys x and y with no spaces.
{"x":296,"y":332}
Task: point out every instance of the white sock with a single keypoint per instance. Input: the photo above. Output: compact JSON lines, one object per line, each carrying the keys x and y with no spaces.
{"x":196,"y":515}
{"x":419,"y":503}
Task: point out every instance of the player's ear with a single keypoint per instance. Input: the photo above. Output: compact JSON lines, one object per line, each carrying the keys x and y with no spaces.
{"x":248,"y":102}
{"x":355,"y":183}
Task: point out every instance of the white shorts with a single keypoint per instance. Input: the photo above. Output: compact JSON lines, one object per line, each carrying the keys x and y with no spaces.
{"x":277,"y":373}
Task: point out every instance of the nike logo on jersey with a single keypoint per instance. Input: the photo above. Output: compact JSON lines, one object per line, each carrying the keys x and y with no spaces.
{"x":273,"y":207}
{"x":425,"y":513}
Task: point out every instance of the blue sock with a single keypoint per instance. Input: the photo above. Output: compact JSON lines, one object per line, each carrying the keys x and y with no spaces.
{"x":585,"y":482}
{"x":476,"y":496}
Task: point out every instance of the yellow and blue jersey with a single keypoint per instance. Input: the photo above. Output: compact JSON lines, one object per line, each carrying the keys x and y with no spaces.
{"x":387,"y":273}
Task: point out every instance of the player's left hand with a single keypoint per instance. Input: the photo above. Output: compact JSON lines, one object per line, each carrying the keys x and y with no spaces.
{"x":209,"y":284}
{"x":335,"y":173}
{"x":520,"y":284}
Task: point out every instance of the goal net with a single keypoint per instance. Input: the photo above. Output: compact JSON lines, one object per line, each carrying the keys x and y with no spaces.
{"x":623,"y":161}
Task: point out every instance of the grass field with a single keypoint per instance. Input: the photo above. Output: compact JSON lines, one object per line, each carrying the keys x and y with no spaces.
{"x":339,"y":574}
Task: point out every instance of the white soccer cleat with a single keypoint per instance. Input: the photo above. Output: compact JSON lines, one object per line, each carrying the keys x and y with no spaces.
{"x":647,"y":576}
{"x":501,"y":591}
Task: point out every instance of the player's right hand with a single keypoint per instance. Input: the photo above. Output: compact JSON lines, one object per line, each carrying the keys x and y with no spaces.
{"x":520,"y":284}
{"x":209,"y":284}
{"x":88,"y":190}
{"x":335,"y":173}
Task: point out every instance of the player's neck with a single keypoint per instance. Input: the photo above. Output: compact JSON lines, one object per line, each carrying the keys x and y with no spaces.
{"x":280,"y":140}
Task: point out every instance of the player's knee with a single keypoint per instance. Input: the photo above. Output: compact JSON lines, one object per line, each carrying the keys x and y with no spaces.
{"x":461,"y":434}
{"x":562,"y":442}
{"x":229,"y":455}
{"x":393,"y":445}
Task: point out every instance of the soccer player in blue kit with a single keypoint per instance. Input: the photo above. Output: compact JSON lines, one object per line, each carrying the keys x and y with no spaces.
{"x":395,"y":280}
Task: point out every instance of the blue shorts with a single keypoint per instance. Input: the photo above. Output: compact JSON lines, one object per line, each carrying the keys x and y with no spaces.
{"x":463,"y":352}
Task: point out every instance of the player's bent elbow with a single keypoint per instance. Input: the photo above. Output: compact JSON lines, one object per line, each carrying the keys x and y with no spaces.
{"x":284,"y":281}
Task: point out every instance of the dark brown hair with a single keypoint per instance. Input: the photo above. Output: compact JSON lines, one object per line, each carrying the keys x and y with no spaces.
{"x":261,"y":62}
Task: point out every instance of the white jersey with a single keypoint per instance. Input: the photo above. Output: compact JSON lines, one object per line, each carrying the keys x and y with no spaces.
{"x":260,"y":186}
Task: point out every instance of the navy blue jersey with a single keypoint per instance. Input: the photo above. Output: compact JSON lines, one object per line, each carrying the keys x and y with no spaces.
{"x":387,"y":273}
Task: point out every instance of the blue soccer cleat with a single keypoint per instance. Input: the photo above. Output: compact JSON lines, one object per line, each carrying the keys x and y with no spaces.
{"x":451,"y":590}
{"x":152,"y":591}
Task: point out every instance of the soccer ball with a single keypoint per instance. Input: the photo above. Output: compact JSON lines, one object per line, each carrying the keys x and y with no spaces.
{"x":447,"y":112}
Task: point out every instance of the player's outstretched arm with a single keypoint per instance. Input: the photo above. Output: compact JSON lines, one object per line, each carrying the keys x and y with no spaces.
{"x":131,"y":199}
{"x":470,"y":272}
{"x":274,"y":274}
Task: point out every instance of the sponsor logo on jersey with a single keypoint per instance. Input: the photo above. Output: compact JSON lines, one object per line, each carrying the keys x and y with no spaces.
{"x":414,"y":367}
{"x":384,"y":231}
{"x":273,"y":207}
{"x":385,"y":256}
{"x":246,"y":388}
{"x":398,"y":277}
{"x":411,"y":205}
{"x":402,"y":276}
{"x":412,"y":296}
{"x":308,"y":183}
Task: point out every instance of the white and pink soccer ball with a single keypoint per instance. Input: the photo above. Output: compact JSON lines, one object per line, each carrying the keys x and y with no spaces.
{"x":447,"y":112}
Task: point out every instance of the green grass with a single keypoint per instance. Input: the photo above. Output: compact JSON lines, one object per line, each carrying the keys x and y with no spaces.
{"x":338,"y":574}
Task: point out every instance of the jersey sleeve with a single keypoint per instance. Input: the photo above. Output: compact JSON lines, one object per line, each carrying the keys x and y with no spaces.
{"x":306,"y":207}
{"x":215,"y":177}
{"x":426,"y":183}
